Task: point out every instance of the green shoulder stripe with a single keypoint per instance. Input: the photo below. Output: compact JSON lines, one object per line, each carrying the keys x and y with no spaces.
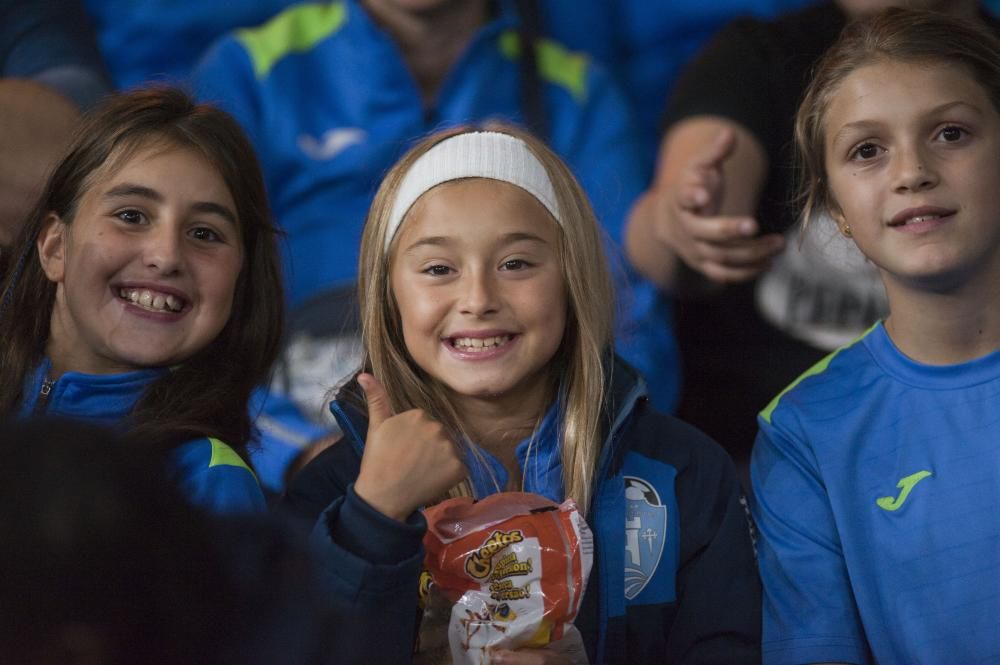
{"x":223,"y":455}
{"x":295,"y":30}
{"x":556,"y":63}
{"x":818,"y":368}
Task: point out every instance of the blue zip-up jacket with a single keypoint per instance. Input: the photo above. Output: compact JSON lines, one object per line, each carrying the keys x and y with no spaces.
{"x":210,"y":473}
{"x":674,"y":578}
{"x":173,"y":34}
{"x":330,"y":106}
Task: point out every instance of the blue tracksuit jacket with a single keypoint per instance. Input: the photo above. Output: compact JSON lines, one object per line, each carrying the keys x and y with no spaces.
{"x":209,"y":472}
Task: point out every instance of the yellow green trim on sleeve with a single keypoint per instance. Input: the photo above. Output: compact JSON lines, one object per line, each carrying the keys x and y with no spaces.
{"x":223,"y":455}
{"x":818,"y":368}
{"x":295,"y":30}
{"x":556,"y":63}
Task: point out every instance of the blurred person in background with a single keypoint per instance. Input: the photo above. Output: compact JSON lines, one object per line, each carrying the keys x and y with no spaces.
{"x":104,"y":561}
{"x":50,"y":70}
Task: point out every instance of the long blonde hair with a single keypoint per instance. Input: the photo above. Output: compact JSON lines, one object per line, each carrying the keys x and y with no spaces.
{"x":585,"y":350}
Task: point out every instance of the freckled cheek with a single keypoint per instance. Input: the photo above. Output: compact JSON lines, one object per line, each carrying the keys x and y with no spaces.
{"x":849,"y":196}
{"x":420,"y":313}
{"x":537,"y":308}
{"x":96,"y":257}
{"x":216,"y":284}
{"x":544,"y":299}
{"x":836,"y":185}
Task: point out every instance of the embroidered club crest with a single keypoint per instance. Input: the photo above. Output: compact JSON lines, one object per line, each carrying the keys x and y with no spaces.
{"x":645,"y":534}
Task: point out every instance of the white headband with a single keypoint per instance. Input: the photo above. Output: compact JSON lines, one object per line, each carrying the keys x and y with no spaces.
{"x":492,"y":155}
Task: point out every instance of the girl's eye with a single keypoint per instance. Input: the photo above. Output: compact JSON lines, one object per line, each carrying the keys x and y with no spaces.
{"x":206,"y":234}
{"x":130,"y":216}
{"x":514,"y":264}
{"x":437,"y":270}
{"x":865,"y":151}
{"x":951,"y":134}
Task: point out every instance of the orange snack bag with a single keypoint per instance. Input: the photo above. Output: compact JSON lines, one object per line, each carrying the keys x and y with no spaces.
{"x":515,"y":565}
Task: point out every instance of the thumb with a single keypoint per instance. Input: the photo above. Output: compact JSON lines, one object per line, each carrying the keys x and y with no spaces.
{"x":379,"y":408}
{"x":718,"y":150}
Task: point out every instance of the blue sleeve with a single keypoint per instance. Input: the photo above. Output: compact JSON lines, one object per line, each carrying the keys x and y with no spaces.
{"x":809,"y":612}
{"x":52,"y":42}
{"x":213,"y":477}
{"x":370,"y":565}
{"x":718,"y":616}
{"x":225,"y":77}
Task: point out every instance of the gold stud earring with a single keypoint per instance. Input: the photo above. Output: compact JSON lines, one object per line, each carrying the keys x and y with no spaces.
{"x":846,"y":230}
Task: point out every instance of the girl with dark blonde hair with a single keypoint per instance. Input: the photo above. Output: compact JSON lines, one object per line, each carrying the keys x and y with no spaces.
{"x":876,"y":471}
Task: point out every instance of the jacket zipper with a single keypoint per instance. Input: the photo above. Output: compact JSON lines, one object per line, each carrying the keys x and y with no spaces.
{"x":43,"y":397}
{"x":625,"y":412}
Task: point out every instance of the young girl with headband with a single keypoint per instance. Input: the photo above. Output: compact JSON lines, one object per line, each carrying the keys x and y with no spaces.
{"x":144,"y":291}
{"x":486,"y":311}
{"x":876,"y":473}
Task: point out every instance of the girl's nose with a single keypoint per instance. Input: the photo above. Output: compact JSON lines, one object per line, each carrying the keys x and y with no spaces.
{"x":163,"y":249}
{"x":479,"y":293}
{"x":914,"y":171}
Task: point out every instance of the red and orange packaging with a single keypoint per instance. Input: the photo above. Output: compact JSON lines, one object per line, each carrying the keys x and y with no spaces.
{"x":515,"y":565}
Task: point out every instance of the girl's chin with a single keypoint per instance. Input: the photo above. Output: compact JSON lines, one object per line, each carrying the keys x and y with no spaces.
{"x":135,"y":360}
{"x":478,"y":388}
{"x":499,"y":388}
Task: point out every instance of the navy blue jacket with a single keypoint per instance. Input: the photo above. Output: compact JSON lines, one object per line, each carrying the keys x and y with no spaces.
{"x":674,"y":578}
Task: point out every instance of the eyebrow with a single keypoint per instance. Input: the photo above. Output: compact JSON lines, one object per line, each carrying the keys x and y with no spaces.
{"x":506,"y":239}
{"x":850,"y":127}
{"x":947,"y":106}
{"x":865,"y":124}
{"x":128,"y":189}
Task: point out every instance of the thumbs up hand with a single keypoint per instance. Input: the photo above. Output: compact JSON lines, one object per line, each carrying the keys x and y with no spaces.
{"x":409,"y":460}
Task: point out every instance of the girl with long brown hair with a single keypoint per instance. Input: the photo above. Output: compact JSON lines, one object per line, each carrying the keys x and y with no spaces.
{"x":144,"y":290}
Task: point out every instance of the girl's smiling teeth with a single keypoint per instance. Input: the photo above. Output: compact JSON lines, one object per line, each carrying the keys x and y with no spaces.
{"x":916,"y":220}
{"x":479,"y":344}
{"x":153,"y":301}
{"x":919,"y":215}
{"x":921,"y":218}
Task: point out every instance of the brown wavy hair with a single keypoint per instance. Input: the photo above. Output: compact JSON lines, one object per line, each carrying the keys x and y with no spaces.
{"x":905,"y":35}
{"x":207,"y":395}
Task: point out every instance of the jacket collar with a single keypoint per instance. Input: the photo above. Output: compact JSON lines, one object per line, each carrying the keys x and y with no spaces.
{"x":105,"y":398}
{"x":626,"y":388}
